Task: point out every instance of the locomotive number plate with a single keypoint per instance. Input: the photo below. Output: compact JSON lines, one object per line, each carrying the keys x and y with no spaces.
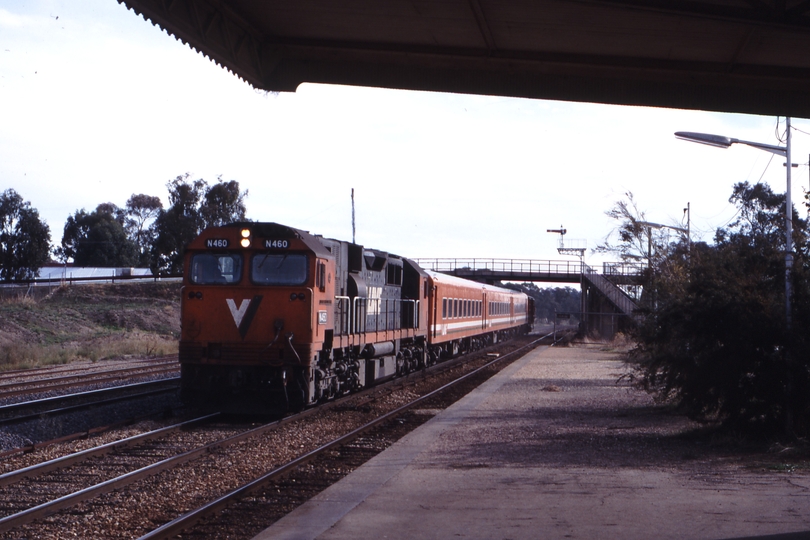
{"x":277,"y":244}
{"x":216,"y":243}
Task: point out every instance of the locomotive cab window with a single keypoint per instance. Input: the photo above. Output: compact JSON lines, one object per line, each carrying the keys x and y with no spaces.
{"x":279,"y":269}
{"x":393,"y":275}
{"x":320,"y":276}
{"x":215,"y":269}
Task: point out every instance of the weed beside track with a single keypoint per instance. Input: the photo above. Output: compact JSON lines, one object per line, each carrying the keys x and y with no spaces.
{"x":89,"y":322}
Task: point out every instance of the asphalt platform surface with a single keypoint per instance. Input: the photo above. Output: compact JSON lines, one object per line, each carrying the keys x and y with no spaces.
{"x":555,"y":446}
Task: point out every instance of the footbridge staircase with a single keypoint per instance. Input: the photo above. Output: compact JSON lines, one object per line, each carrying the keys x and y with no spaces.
{"x":607,"y":307}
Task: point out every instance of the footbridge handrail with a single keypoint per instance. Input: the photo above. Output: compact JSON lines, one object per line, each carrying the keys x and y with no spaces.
{"x":614,"y":294}
{"x":521,"y":266}
{"x":528,"y":266}
{"x":604,"y":284}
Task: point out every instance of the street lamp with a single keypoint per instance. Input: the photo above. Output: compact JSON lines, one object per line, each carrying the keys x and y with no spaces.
{"x":651,"y":225}
{"x":724,"y":142}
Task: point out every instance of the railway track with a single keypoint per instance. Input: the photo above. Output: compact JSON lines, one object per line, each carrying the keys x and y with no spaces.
{"x":29,"y":425}
{"x":52,"y":380}
{"x":63,"y":402}
{"x":27,"y":411}
{"x":77,"y":367}
{"x":134,"y":488}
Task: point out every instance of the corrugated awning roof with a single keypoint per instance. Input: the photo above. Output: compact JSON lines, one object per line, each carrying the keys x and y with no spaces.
{"x":725,"y":55}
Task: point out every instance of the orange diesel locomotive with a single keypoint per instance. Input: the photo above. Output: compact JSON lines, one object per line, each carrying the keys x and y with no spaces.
{"x":274,"y":318}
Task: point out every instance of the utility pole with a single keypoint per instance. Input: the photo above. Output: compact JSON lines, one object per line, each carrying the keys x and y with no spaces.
{"x":688,"y":212}
{"x":724,"y":142}
{"x":788,"y":229}
{"x":353,"y":240}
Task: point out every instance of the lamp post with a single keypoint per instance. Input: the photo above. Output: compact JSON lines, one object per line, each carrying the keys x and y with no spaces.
{"x":651,"y":225}
{"x":724,"y":142}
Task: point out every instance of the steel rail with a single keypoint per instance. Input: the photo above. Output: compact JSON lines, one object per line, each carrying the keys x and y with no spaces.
{"x":79,"y":380}
{"x":70,"y":459}
{"x":189,"y":519}
{"x":82,"y":406}
{"x":10,"y":374}
{"x":51,"y":507}
{"x":76,"y":376}
{"x":86,"y":434}
{"x":45,"y":401}
{"x":411,"y":378}
{"x":91,"y":404}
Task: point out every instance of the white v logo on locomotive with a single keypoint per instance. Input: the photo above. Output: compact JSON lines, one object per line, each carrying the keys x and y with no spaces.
{"x":238,"y":313}
{"x":243,"y":315}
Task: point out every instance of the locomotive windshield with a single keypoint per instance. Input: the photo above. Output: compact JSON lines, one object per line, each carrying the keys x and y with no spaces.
{"x":279,"y":269}
{"x":215,"y":269}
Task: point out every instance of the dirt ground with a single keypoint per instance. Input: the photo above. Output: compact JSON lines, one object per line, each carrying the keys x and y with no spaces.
{"x":618,"y":464}
{"x":648,"y":467}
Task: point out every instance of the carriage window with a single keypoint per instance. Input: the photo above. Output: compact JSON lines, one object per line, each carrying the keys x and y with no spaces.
{"x":279,"y":269}
{"x":215,"y":269}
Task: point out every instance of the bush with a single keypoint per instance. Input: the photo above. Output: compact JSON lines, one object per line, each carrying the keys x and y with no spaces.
{"x":716,"y":342}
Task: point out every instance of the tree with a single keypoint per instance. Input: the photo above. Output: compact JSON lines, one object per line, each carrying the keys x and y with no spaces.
{"x":640,"y":242}
{"x":223,"y":203}
{"x":140,"y":210}
{"x":98,"y":238}
{"x":634,"y":239}
{"x":193,"y":206}
{"x":553,"y":300}
{"x":25,"y":240}
{"x":178,"y":225}
{"x":717,"y":342}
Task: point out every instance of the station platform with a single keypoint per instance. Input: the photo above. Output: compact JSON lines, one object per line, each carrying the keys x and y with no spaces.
{"x":555,"y":447}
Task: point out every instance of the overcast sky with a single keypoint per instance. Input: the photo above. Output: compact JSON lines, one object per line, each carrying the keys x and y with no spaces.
{"x":97,"y":104}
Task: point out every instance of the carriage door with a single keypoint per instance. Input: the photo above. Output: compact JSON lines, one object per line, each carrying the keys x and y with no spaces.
{"x":484,"y":312}
{"x":433,"y":305}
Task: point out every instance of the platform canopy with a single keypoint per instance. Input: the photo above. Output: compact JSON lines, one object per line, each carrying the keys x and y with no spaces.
{"x":749,"y":56}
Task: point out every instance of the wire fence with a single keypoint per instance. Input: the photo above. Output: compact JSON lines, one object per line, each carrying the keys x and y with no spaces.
{"x":28,"y":285}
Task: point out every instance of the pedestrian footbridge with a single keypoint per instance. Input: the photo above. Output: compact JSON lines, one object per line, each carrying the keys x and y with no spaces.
{"x":606,"y":305}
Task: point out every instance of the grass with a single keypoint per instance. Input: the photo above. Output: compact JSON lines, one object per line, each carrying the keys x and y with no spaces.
{"x":88,"y":322}
{"x":27,"y":355}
